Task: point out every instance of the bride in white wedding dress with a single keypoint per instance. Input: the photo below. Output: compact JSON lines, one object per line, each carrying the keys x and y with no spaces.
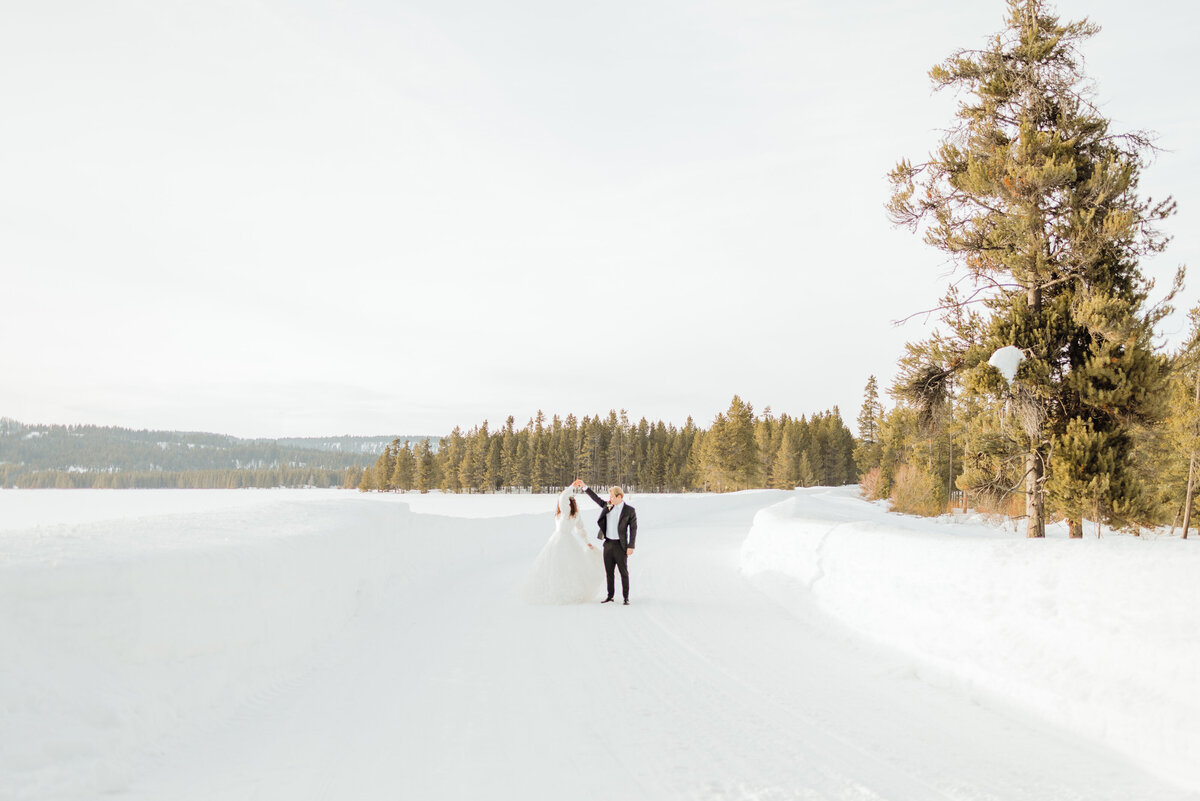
{"x":569,"y":569}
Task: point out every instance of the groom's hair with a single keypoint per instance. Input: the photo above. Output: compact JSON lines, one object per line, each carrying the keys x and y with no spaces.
{"x":620,"y":493}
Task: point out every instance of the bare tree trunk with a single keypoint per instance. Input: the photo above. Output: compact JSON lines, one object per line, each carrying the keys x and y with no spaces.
{"x":966,"y":450}
{"x":950,"y":477}
{"x":1187,"y":503}
{"x":1035,"y":499}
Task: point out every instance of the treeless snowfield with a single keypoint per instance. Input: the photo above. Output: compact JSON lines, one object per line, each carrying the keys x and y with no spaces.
{"x":329,"y":645}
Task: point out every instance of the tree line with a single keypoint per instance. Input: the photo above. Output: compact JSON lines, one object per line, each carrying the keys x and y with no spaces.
{"x":74,"y":456}
{"x":264,"y":478}
{"x":970,"y":451}
{"x":740,"y":450}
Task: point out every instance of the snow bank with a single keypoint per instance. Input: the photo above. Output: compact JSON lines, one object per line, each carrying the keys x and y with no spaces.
{"x":118,"y":635}
{"x":1100,"y":636}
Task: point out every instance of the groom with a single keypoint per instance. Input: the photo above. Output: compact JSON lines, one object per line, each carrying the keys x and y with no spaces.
{"x":619,"y":539}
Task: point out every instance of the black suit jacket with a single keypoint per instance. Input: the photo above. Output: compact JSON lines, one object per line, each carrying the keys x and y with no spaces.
{"x":626,"y":526}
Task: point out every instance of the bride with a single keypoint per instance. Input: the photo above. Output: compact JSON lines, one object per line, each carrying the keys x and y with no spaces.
{"x":569,"y":569}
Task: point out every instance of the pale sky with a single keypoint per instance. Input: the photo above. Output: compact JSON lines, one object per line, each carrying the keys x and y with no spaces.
{"x":313,"y":218}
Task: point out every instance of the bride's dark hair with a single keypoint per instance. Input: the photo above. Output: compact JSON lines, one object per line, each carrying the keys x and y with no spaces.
{"x":574,"y":508}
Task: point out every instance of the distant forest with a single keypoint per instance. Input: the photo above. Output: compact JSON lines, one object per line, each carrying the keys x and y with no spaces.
{"x":39,"y":456}
{"x":739,"y":451}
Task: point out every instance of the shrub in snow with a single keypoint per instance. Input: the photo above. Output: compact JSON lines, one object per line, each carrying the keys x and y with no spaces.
{"x":872,"y":484}
{"x":915,"y":491}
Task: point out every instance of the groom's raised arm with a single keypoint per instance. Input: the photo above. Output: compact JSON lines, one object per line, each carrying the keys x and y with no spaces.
{"x":599,"y":501}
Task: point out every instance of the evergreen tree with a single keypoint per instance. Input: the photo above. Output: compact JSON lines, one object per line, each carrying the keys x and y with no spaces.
{"x":683,"y":474}
{"x":367,"y":482}
{"x":404,"y":469}
{"x":1084,"y":470}
{"x":384,"y":467}
{"x":568,"y":451}
{"x":539,"y":469}
{"x":1037,"y":199}
{"x":805,"y":475}
{"x":481,"y":453}
{"x":493,"y":476}
{"x":642,"y":468}
{"x":730,"y":453}
{"x":993,"y":466}
{"x":524,"y":458}
{"x":469,"y":477}
{"x":784,"y":468}
{"x":1183,"y":420}
{"x":423,"y":467}
{"x":583,"y":448}
{"x":623,"y":450}
{"x":453,"y":448}
{"x":659,"y":471}
{"x":508,"y":455}
{"x":764,"y":440}
{"x":868,"y":454}
{"x":598,"y":450}
{"x":872,"y":410}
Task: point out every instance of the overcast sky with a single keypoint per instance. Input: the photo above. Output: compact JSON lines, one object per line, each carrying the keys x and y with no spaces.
{"x":309,"y":218}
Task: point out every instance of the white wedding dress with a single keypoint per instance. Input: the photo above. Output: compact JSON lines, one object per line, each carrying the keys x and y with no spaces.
{"x":566,"y":571}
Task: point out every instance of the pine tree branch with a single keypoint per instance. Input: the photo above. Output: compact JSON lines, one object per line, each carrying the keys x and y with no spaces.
{"x":958,"y":303}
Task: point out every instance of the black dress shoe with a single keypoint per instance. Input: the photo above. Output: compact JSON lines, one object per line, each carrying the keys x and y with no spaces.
{"x":607,"y":601}
{"x":626,"y":602}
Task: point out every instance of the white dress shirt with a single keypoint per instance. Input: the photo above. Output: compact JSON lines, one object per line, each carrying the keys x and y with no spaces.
{"x":614,"y":517}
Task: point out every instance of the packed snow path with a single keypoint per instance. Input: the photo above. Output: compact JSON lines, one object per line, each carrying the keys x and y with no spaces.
{"x":402,"y":664}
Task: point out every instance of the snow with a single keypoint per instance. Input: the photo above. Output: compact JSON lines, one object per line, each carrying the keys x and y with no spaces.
{"x":305,"y":644}
{"x":27,"y":509}
{"x":1095,"y":635}
{"x":1007,"y":359}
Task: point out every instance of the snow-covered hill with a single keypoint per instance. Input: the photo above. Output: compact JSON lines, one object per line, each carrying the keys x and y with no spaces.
{"x":312,"y":644}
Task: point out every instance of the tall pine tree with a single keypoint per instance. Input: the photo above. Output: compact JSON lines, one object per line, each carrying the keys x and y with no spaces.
{"x":1036,"y":199}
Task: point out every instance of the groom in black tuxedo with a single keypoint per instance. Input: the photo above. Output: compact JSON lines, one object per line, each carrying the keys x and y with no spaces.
{"x":618,"y":539}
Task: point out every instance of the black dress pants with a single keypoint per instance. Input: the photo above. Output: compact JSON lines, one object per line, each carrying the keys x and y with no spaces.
{"x":616,"y":558}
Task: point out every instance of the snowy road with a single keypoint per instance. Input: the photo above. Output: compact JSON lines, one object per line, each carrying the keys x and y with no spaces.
{"x":440,"y":683}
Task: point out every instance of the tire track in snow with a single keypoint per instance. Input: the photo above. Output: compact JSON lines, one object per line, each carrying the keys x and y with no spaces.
{"x":721,"y":701}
